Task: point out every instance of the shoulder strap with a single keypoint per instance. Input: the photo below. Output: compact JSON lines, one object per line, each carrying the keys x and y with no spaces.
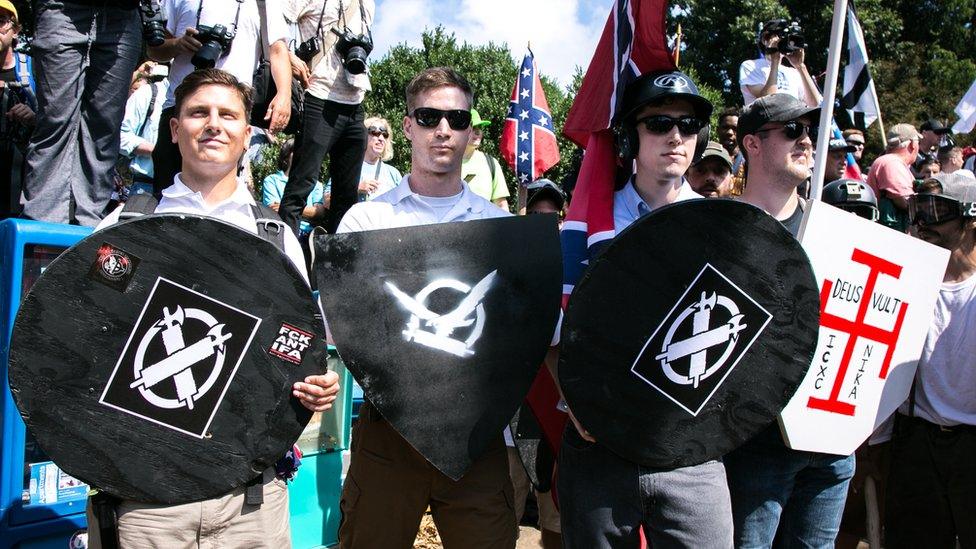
{"x":152,"y":105}
{"x":138,"y":205}
{"x":23,"y":70}
{"x":270,"y":226}
{"x":491,"y":167}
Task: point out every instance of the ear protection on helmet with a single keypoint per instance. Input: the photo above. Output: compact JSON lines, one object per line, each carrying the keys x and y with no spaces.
{"x":625,"y":137}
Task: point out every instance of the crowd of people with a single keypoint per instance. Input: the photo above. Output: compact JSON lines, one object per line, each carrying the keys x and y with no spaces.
{"x":184,"y":123}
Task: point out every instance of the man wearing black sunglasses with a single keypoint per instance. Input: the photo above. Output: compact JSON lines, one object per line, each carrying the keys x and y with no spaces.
{"x":605,"y":499}
{"x":931,"y":491}
{"x":779,"y":493}
{"x":389,"y":484}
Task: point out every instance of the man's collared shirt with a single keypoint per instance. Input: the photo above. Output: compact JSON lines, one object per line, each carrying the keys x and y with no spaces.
{"x":890,"y":173}
{"x":628,"y":206}
{"x":401,"y":207}
{"x":235,"y":209}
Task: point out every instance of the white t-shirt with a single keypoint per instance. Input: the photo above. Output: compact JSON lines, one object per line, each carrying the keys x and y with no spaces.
{"x":754,"y":72}
{"x":945,"y":386}
{"x":235,"y":209}
{"x":245,"y":50}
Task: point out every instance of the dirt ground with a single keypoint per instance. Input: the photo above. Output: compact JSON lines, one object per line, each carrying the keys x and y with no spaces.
{"x":427,"y":538}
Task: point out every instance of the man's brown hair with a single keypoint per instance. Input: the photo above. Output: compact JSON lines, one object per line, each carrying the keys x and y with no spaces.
{"x":433,"y":78}
{"x":213,"y":77}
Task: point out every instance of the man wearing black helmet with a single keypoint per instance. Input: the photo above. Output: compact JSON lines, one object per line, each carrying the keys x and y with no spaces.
{"x":778,"y":493}
{"x":606,"y":499}
{"x":768,"y":75}
{"x":853,"y":196}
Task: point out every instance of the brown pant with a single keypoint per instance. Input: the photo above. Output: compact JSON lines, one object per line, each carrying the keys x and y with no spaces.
{"x":390,"y":485}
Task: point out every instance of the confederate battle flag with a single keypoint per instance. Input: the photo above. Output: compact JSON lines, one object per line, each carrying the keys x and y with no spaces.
{"x":528,"y":139}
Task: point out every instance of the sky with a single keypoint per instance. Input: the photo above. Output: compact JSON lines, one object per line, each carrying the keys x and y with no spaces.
{"x":563,"y":33}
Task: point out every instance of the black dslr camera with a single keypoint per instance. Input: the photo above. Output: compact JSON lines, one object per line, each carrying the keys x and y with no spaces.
{"x":790,"y":36}
{"x":215,"y":42}
{"x":354,"y":49}
{"x":153,"y":24}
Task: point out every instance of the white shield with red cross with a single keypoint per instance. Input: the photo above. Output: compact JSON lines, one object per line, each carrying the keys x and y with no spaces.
{"x":878,"y":289}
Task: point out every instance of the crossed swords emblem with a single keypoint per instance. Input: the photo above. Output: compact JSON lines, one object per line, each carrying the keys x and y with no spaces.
{"x":180,"y":358}
{"x":445,"y":324}
{"x":702,"y":339}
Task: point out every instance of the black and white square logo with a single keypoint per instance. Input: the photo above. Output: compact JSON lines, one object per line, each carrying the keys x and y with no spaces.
{"x":701,"y":340}
{"x":180,"y":358}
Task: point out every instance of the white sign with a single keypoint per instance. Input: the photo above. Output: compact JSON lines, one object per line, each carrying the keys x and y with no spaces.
{"x":878,"y":289}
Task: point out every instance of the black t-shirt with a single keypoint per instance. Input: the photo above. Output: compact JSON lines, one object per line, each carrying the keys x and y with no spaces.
{"x":792,"y":223}
{"x":9,"y":75}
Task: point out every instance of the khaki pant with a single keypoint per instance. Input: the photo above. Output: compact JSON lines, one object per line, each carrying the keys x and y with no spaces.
{"x":224,"y":522}
{"x":390,"y":485}
{"x":548,"y":513}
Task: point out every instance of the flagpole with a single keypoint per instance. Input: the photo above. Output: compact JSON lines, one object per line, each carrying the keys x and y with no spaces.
{"x":830,"y":93}
{"x":884,"y":136}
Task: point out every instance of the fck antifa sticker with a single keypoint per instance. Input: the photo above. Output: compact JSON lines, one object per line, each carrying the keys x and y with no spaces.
{"x":701,"y":340}
{"x":113,"y":267}
{"x":180,"y":359}
{"x":290,"y":344}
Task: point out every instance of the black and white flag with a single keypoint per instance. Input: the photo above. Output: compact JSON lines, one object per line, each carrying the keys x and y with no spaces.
{"x":859,"y":93}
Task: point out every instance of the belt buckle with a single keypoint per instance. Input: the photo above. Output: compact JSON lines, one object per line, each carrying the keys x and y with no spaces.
{"x":946,"y":429}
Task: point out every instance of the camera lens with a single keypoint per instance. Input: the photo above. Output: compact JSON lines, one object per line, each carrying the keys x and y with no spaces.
{"x":154,"y":33}
{"x":206,"y":57}
{"x":356,"y":60}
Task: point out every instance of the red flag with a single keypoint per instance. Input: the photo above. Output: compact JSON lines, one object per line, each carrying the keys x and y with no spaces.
{"x":528,"y":139}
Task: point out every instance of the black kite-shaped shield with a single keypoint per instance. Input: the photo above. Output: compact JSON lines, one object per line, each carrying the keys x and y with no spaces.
{"x":444,"y":326}
{"x":690,"y":333}
{"x":154,"y":359}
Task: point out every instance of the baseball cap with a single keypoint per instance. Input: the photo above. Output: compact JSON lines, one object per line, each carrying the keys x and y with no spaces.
{"x":899,"y":133}
{"x":838,"y":144}
{"x":854,"y":137}
{"x":778,"y":107}
{"x":476,"y":121}
{"x":957,"y":186}
{"x":934,"y":126}
{"x":544,"y":188}
{"x":9,"y":6}
{"x":715,"y":150}
{"x":658,"y":85}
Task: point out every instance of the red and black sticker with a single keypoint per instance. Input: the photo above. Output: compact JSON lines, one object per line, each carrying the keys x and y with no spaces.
{"x":290,"y":343}
{"x":113,"y":267}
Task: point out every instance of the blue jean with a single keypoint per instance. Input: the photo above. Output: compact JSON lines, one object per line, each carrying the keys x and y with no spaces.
{"x":792,"y":498}
{"x":604,"y":500}
{"x":84,"y":56}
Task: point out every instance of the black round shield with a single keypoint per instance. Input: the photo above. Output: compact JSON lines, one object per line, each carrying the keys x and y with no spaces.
{"x":689,"y":333}
{"x":444,"y":326}
{"x":154,"y":359}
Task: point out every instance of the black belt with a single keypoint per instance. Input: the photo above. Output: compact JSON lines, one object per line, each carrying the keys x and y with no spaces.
{"x":935,"y":427}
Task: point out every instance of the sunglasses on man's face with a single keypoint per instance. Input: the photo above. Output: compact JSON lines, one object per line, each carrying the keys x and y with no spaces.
{"x":794,"y":129}
{"x":378,"y":130}
{"x":933,"y":209}
{"x":661,"y":124}
{"x":427,"y":117}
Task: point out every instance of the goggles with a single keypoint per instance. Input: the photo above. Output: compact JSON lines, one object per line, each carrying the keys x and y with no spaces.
{"x":794,"y":129}
{"x":661,"y":124}
{"x":932,"y":209}
{"x":378,"y":130}
{"x":427,"y":117}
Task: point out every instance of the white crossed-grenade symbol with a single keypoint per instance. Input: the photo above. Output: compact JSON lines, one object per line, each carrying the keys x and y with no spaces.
{"x":180,"y":358}
{"x":702,"y":339}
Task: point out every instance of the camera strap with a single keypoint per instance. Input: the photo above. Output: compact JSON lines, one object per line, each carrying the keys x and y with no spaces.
{"x":362,"y":15}
{"x":237,"y":16}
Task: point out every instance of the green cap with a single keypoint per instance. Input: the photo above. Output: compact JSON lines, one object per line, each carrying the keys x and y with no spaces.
{"x":476,"y":120}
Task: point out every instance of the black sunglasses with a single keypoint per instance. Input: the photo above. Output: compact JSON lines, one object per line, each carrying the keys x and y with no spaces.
{"x":794,"y":129}
{"x":378,"y":130}
{"x":661,"y":124}
{"x":427,"y":117}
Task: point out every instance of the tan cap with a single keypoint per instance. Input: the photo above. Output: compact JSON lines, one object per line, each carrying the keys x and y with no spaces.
{"x":900,"y":133}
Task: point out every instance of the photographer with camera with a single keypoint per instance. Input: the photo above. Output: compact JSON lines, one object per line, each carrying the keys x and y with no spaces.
{"x":336,"y":41}
{"x":227,"y":35}
{"x":778,"y":39}
{"x":84,"y":55}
